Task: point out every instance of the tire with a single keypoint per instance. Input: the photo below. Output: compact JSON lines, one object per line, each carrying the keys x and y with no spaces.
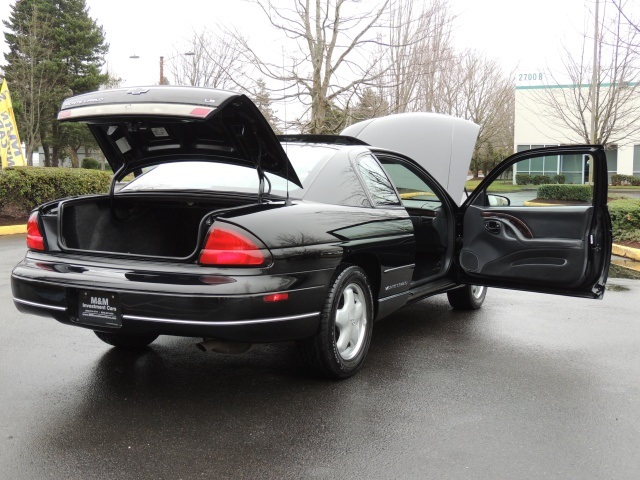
{"x":127,"y":341}
{"x":341,"y":344}
{"x":467,"y":297}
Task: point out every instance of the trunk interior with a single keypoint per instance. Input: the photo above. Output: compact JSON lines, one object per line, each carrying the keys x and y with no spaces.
{"x":135,"y":226}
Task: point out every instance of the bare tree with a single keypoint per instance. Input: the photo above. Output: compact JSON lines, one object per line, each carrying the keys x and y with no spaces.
{"x":625,"y":7}
{"x":213,"y":61}
{"x":419,"y":45}
{"x":612,"y":101}
{"x":423,"y":72}
{"x":475,"y":88}
{"x":333,"y":57}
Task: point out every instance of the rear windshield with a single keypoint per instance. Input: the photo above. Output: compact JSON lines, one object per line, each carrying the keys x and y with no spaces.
{"x":307,"y":160}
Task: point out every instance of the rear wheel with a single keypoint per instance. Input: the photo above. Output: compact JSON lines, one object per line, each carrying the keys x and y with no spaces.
{"x":125,"y":340}
{"x":467,"y":297}
{"x":340,"y":346}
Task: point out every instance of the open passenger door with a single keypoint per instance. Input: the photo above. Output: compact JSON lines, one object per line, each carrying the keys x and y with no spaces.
{"x":560,"y":244}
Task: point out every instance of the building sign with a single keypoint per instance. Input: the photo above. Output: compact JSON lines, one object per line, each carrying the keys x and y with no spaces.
{"x":531,"y":78}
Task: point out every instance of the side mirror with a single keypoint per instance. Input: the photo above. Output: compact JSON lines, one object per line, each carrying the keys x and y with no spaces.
{"x":498,"y":200}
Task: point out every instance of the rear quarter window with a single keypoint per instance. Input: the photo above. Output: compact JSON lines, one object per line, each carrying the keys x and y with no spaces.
{"x":378,"y":184}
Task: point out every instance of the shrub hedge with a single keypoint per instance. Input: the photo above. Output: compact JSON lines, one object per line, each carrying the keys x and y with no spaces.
{"x":625,"y":219}
{"x":23,"y":188}
{"x":524,"y":179}
{"x":541,"y":179}
{"x":619,"y":179}
{"x":573,"y":193}
{"x":91,"y":163}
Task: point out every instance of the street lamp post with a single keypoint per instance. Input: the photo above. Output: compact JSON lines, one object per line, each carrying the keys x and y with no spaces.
{"x":594,"y":88}
{"x":162,"y":80}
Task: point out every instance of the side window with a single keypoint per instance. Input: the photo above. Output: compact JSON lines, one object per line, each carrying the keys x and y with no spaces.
{"x":378,"y":184}
{"x":414,"y":191}
{"x":556,"y":180}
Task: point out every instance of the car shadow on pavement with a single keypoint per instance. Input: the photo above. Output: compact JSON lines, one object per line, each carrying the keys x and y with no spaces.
{"x":173,"y":393}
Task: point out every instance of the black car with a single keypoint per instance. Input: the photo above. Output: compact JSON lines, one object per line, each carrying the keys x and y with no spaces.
{"x":230,"y":234}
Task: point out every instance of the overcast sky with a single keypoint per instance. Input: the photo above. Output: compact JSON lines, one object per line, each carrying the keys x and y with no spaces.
{"x":523,"y":35}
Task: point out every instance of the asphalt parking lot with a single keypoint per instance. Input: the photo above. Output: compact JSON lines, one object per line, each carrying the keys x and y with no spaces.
{"x":530,"y":386}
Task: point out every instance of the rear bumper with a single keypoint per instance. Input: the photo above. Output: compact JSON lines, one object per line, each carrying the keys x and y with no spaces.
{"x":179,"y":300}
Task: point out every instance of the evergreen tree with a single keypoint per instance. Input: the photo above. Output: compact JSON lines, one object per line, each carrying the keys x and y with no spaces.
{"x":370,"y":105}
{"x":262,"y":99}
{"x":55,"y":50}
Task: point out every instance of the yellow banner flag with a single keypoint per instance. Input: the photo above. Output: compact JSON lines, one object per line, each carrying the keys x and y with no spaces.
{"x":10,"y":146}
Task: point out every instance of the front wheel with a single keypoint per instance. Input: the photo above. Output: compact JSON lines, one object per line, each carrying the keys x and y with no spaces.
{"x":124,"y":340}
{"x":340,"y":346}
{"x":467,"y":297}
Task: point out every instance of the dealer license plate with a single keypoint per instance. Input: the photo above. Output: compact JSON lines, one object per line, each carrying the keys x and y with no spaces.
{"x":99,"y":308}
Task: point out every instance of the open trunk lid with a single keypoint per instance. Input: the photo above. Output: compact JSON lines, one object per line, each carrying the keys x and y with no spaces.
{"x":138,"y":127}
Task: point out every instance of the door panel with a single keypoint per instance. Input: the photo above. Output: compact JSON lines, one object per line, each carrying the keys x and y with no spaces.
{"x":527,"y":244}
{"x":548,"y":237}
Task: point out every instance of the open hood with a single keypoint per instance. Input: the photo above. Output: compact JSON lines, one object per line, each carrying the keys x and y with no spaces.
{"x":142,"y":126}
{"x":441,"y":144}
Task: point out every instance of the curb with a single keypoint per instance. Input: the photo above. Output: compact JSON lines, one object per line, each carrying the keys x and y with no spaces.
{"x":626,"y":252}
{"x":539,"y":204}
{"x":13,"y":229}
{"x":628,"y":264}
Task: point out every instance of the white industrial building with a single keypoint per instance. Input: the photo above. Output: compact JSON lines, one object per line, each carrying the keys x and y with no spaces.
{"x":535,"y":126}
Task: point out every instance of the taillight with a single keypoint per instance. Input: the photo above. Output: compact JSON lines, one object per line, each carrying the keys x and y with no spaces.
{"x":35,"y":239}
{"x":226,"y":246}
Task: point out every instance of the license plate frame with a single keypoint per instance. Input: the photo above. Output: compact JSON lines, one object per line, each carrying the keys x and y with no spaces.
{"x":99,"y":308}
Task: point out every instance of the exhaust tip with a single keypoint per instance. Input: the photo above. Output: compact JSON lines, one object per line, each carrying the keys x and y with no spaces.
{"x":223,"y":346}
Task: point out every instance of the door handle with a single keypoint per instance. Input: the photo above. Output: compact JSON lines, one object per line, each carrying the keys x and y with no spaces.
{"x":492,"y":226}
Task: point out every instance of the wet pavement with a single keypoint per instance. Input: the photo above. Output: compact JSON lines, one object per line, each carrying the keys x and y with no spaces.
{"x":530,"y":386}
